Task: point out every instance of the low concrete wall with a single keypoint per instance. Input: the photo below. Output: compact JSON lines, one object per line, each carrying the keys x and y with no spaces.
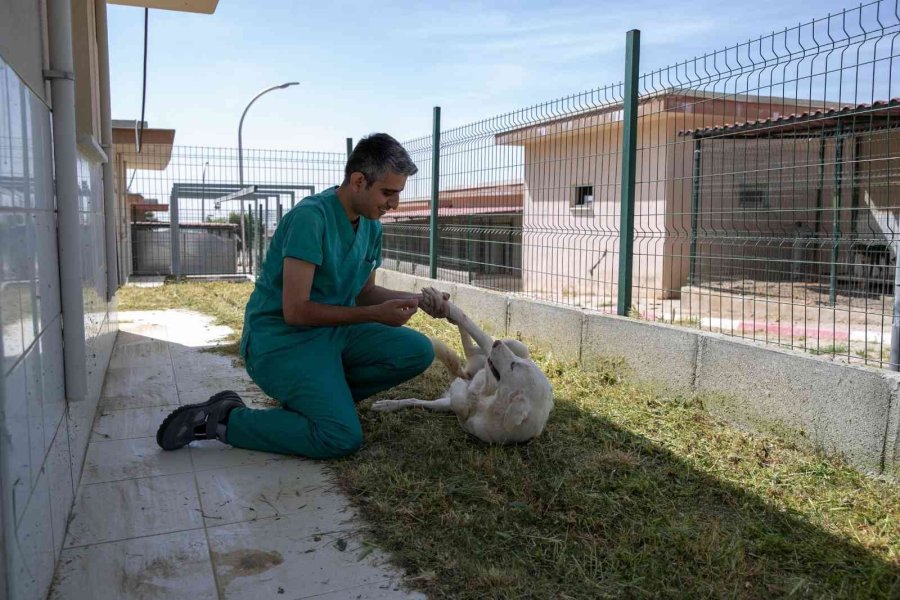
{"x":842,"y":410}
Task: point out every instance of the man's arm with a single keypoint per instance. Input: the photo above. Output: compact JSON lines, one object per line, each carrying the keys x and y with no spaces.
{"x":300,"y":310}
{"x":375,"y":294}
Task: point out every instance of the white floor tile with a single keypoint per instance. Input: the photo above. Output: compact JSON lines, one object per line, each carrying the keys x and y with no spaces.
{"x":135,"y":507}
{"x":270,"y":489}
{"x":149,"y":353}
{"x":272,"y":558}
{"x":174,"y":565}
{"x":113,"y":460}
{"x":212,"y":454}
{"x":390,"y":590}
{"x":130,"y":422}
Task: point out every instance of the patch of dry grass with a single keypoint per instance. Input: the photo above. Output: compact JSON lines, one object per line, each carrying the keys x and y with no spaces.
{"x":629,"y":493}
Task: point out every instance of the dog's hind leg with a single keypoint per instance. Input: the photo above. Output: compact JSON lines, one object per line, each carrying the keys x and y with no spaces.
{"x":450,"y":359}
{"x":439,"y":405}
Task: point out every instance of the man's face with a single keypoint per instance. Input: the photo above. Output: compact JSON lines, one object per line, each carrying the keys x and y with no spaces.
{"x":383,"y":195}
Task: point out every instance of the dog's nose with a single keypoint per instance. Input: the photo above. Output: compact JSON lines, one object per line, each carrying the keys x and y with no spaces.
{"x":497,"y":343}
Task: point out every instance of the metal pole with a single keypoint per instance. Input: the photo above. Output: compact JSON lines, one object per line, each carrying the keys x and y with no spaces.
{"x":435,"y":190}
{"x":695,"y":211}
{"x":836,"y":211}
{"x":821,"y":185}
{"x":203,"y":196}
{"x":65,"y":158}
{"x":259,"y":236}
{"x":629,"y":164}
{"x":349,"y":147}
{"x":109,"y":197}
{"x":894,"y":365}
{"x":241,"y":146}
{"x":175,"y":236}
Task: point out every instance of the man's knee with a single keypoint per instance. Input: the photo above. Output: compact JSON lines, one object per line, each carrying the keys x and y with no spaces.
{"x":339,"y":439}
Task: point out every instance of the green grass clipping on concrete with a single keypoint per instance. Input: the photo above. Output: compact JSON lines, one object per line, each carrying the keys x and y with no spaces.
{"x":629,"y":493}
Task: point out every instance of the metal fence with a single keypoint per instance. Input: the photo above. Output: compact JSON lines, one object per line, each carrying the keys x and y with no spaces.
{"x":749,"y":191}
{"x":185,"y":212}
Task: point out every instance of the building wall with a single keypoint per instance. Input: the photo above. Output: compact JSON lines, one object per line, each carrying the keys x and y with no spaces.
{"x":21,"y":43}
{"x":569,"y":250}
{"x":765,"y":242}
{"x":44,"y":437}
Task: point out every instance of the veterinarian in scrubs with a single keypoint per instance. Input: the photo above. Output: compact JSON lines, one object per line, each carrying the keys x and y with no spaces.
{"x":319,"y":335}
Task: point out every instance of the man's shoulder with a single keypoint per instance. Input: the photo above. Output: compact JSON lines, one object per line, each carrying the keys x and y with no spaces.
{"x":316,"y":205}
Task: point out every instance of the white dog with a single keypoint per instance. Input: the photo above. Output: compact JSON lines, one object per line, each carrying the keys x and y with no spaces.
{"x":500,"y":396}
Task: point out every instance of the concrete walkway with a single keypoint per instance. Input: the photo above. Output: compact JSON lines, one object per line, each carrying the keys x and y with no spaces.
{"x":208,"y":521}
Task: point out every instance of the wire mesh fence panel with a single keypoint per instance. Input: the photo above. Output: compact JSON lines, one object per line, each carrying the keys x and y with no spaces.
{"x":527,"y":202}
{"x":765,"y":206}
{"x":191,"y":204}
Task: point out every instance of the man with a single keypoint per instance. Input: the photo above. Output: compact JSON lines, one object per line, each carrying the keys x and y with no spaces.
{"x":319,"y":335}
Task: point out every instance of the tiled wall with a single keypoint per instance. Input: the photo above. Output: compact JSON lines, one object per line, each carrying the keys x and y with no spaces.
{"x":42,"y":438}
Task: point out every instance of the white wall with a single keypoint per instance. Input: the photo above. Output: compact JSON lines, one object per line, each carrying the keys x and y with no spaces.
{"x":42,"y":437}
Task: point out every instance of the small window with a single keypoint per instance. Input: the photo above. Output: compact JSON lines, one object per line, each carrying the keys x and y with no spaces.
{"x":752,"y":196}
{"x":584,"y":195}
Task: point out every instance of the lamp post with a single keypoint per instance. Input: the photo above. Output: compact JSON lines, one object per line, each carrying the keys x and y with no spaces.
{"x":241,"y":160}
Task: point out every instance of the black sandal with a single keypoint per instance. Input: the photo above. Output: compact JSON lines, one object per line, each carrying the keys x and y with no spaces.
{"x":202,"y":421}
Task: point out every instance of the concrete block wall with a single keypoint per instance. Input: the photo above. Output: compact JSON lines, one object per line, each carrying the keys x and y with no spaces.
{"x":841,"y":410}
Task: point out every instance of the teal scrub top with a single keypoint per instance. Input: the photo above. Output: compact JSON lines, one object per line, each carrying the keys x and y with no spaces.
{"x":317,"y":231}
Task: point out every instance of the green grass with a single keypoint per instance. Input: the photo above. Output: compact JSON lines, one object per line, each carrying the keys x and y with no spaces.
{"x":629,"y":493}
{"x":831,"y":349}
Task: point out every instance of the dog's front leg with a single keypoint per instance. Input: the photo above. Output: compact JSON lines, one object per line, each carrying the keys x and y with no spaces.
{"x":456,"y":315}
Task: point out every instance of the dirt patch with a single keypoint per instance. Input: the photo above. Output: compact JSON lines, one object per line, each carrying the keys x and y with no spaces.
{"x":244,"y":563}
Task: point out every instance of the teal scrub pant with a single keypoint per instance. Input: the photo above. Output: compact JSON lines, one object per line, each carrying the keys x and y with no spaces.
{"x":318,"y":381}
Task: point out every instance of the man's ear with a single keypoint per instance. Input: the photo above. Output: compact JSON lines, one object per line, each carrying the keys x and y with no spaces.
{"x":516,"y":411}
{"x":357,"y":181}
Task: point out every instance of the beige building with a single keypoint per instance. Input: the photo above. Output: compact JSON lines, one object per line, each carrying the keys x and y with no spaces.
{"x":572,"y":178}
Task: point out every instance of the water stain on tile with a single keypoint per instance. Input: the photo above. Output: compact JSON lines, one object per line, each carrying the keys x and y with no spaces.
{"x":245,"y":563}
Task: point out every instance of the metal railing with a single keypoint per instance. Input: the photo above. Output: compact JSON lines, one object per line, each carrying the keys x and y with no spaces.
{"x":748,"y":191}
{"x":183,"y":210}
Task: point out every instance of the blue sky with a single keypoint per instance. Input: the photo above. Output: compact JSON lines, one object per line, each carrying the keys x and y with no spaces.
{"x":382,"y":66}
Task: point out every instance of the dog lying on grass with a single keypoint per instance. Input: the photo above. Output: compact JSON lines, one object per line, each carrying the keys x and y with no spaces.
{"x":499,"y":396}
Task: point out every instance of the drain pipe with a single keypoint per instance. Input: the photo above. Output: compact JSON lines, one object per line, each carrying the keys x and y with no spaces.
{"x":109,"y":191}
{"x":62,"y":89}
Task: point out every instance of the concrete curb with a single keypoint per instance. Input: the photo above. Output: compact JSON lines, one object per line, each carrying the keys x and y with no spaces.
{"x":841,"y":410}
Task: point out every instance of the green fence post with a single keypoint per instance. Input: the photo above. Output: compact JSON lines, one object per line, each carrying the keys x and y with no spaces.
{"x":695,"y":211}
{"x":435,"y":189}
{"x":836,"y":211}
{"x":349,"y":147}
{"x":629,"y":164}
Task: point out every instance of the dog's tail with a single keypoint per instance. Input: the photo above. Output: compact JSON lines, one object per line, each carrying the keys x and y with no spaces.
{"x":448,"y":357}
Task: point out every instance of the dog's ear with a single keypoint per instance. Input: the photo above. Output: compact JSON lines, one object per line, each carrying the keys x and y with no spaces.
{"x":518,"y":348}
{"x":516,"y":411}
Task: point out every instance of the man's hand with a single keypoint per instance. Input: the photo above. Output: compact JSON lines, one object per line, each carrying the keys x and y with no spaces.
{"x":395,"y":312}
{"x":434,"y":302}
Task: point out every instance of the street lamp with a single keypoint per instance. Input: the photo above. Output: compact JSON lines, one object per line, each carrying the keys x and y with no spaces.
{"x":244,"y":252}
{"x":241,"y":125}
